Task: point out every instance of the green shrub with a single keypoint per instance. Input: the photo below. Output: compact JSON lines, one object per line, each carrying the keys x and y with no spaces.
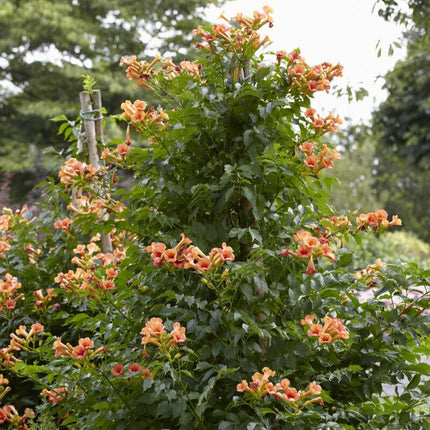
{"x":393,"y":247}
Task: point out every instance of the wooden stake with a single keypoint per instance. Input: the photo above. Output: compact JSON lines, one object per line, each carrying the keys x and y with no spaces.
{"x":90,"y":129}
{"x":94,"y":130}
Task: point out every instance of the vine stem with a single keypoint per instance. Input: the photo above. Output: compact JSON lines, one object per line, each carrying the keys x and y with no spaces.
{"x":115,"y":390}
{"x":190,"y":405}
{"x":113,"y":304}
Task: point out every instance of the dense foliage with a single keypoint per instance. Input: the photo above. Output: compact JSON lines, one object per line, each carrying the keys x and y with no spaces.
{"x":225,"y":296}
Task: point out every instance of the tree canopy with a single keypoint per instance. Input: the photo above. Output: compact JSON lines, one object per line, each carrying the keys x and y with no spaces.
{"x":412,"y":13}
{"x":403,"y":119}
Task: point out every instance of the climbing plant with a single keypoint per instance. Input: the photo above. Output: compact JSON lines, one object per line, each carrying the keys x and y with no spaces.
{"x":228,"y":298}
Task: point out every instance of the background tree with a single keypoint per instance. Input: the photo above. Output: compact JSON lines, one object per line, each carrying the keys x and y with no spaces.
{"x":403,"y":119}
{"x":401,"y":122}
{"x":47,"y":45}
{"x":411,"y":13}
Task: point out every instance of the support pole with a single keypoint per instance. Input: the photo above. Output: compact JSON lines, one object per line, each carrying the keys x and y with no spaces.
{"x":90,"y":128}
{"x":94,"y":130}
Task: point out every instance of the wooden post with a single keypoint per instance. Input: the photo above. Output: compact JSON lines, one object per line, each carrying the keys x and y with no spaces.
{"x":93,"y":131}
{"x":90,"y":128}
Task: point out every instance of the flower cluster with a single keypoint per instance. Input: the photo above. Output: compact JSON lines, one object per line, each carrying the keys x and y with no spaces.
{"x":183,"y":256}
{"x":9,"y":219}
{"x":143,"y":118}
{"x":64,"y":224}
{"x":42,"y":300}
{"x":377,"y":220}
{"x":120,"y":153}
{"x":32,"y":253}
{"x":56,"y":394}
{"x":334,"y":230}
{"x":370,"y":273}
{"x":317,"y":157}
{"x":20,"y":340}
{"x":133,"y":368}
{"x":240,"y":37}
{"x":3,"y":390}
{"x":310,"y":247}
{"x":89,"y":204}
{"x":144,"y":72}
{"x":258,"y":19}
{"x":140,"y":70}
{"x":5,"y":220}
{"x":29,"y":336}
{"x":260,"y":386}
{"x":74,"y":171}
{"x":8,"y":292}
{"x":90,"y":195}
{"x":83,"y":350}
{"x":155,"y":333}
{"x":96,"y":271}
{"x":4,"y":245}
{"x":332,"y":329}
{"x":9,"y":414}
{"x":7,"y":357}
{"x":322,"y":125}
{"x":335,"y":223}
{"x":307,"y":79}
